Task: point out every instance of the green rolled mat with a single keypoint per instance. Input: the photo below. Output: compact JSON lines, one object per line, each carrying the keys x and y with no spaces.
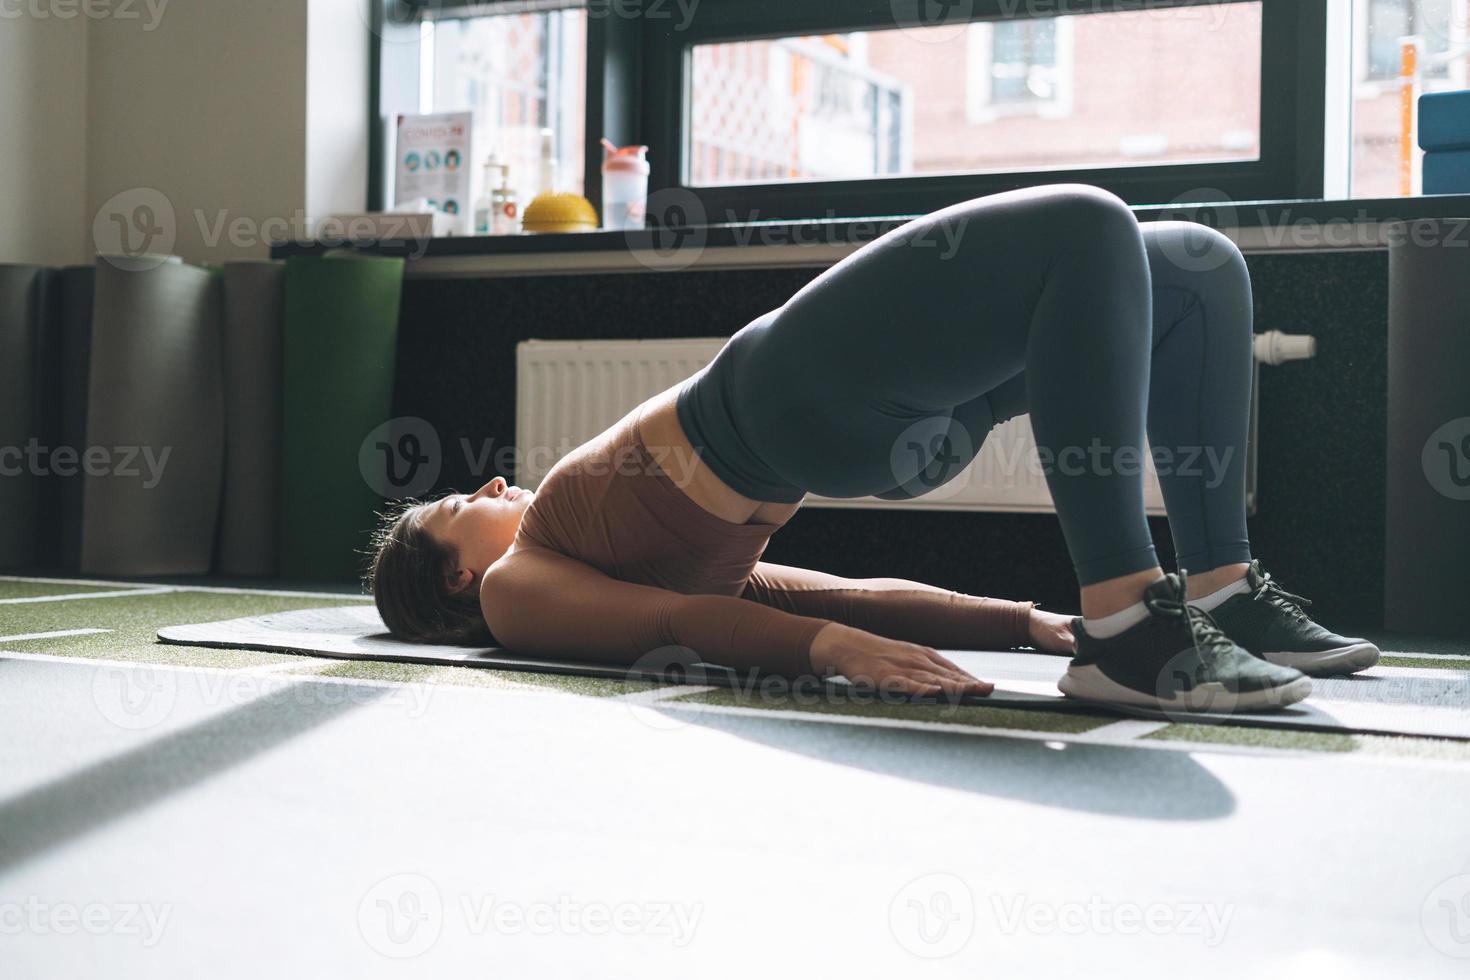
{"x":249,"y":536}
{"x":339,"y":353}
{"x":68,"y":357}
{"x":154,"y":444}
{"x":22,"y":293}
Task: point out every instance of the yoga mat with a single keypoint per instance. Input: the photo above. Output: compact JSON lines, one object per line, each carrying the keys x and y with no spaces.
{"x":22,"y":292}
{"x":1427,"y":547}
{"x":339,"y":352}
{"x":69,"y":359}
{"x":250,"y":509}
{"x":155,"y":421}
{"x":1381,"y":700}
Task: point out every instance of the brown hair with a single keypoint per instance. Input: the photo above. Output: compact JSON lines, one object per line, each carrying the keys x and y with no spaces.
{"x":409,"y":576}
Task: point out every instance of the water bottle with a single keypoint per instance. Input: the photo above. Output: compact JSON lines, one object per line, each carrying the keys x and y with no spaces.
{"x":624,"y":186}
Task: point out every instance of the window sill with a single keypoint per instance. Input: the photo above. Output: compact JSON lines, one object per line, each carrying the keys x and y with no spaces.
{"x":1256,"y":226}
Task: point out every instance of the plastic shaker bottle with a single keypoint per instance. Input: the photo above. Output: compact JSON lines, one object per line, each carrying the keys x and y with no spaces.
{"x":624,"y":186}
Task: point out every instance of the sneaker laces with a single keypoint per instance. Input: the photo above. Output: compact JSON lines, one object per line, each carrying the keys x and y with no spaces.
{"x":1204,"y":632}
{"x":1270,"y":591}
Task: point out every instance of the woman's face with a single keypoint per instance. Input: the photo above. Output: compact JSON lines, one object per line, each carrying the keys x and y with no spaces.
{"x":479,"y":526}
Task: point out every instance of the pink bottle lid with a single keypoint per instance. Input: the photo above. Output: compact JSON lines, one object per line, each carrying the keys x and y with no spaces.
{"x":628,"y":159}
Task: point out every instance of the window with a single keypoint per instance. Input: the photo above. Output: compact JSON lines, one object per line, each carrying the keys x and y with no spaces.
{"x":796,"y":108}
{"x":1018,"y":65}
{"x":1381,"y":142}
{"x":518,"y":71}
{"x":785,"y":109}
{"x":1178,"y":85}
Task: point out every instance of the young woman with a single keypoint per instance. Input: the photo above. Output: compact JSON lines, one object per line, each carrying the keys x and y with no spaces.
{"x":883,"y":376}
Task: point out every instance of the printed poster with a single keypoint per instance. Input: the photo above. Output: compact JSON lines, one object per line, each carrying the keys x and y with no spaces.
{"x":433,"y":161}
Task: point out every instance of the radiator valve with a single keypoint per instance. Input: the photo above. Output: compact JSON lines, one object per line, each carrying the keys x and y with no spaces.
{"x":1275,"y":347}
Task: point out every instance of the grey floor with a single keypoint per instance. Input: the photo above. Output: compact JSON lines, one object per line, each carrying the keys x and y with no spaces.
{"x":179,"y":822}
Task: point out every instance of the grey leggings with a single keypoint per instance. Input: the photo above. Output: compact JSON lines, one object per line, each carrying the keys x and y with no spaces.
{"x":885,"y":373}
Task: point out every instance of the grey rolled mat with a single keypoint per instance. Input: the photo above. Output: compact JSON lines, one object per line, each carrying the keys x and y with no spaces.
{"x":155,"y":421}
{"x":1428,"y":453}
{"x":251,"y":507}
{"x":22,"y":292}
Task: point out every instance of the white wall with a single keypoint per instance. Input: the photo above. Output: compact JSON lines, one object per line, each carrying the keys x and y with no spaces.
{"x":208,"y":110}
{"x":43,"y":146}
{"x":225,"y":122}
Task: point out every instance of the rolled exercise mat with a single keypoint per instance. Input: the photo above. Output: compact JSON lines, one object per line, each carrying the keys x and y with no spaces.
{"x":249,"y":537}
{"x":155,"y":421}
{"x":1427,"y":549}
{"x":22,"y":293}
{"x":339,"y":351}
{"x":69,"y":353}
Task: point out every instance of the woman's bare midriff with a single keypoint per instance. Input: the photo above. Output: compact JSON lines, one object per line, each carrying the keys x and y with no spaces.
{"x":664,"y":436}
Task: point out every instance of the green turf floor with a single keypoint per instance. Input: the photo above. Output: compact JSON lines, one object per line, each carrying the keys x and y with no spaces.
{"x":132,"y":622}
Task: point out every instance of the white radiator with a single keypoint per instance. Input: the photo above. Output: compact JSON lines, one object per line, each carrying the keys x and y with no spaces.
{"x":567,"y":391}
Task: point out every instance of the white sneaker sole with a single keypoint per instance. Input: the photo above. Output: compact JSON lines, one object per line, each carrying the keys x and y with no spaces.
{"x":1088,"y":683}
{"x":1324,"y":663}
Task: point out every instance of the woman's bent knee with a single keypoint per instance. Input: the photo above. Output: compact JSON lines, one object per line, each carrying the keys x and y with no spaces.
{"x":1192,"y":248}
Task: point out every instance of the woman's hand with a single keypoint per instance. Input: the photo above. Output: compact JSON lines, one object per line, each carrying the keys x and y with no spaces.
{"x":1052,"y":632}
{"x":889,"y":665}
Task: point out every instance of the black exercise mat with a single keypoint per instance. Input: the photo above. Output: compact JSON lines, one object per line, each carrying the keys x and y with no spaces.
{"x":1381,"y":700}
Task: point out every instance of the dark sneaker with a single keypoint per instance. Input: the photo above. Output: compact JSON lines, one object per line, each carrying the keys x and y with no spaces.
{"x":1177,"y":659}
{"x":1269,"y":622}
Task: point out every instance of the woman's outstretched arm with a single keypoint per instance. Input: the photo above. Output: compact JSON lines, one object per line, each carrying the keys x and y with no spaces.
{"x":907,"y":610}
{"x":540,"y":602}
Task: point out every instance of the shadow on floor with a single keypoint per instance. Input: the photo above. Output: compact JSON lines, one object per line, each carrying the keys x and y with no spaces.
{"x":59,"y":811}
{"x":1099,"y":779}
